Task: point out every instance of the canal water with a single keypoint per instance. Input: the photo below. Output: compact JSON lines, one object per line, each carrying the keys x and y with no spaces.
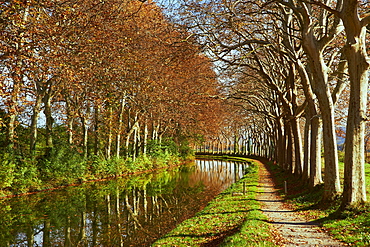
{"x":127,"y":211}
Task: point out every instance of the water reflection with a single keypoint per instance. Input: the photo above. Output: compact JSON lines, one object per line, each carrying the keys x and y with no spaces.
{"x":129,"y":211}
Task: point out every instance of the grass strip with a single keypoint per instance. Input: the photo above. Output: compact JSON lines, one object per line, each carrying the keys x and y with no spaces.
{"x":233,"y":218}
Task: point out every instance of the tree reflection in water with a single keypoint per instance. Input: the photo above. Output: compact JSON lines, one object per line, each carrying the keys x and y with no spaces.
{"x":127,"y":211}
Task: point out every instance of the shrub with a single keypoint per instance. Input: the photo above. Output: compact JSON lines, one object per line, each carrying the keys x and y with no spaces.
{"x":26,"y":176}
{"x":7,"y":172}
{"x":115,"y":166}
{"x":62,"y":166}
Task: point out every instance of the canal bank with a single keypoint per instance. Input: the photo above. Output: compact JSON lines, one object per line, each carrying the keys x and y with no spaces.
{"x":133,"y":210}
{"x":233,"y":218}
{"x":251,"y":212}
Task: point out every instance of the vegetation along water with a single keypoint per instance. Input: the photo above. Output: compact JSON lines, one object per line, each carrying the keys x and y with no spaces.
{"x":97,"y":89}
{"x":125,"y":211}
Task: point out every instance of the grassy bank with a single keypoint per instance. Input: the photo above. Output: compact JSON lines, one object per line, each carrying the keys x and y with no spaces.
{"x":65,"y":166}
{"x":233,"y":218}
{"x":351,"y":226}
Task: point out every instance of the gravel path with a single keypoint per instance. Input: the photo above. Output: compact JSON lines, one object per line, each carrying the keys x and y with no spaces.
{"x":293,"y":229}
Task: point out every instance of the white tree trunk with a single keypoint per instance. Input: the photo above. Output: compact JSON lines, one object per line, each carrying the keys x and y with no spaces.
{"x":355,"y":49}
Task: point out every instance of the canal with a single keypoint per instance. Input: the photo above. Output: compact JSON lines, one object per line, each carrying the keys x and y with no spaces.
{"x":127,"y":211}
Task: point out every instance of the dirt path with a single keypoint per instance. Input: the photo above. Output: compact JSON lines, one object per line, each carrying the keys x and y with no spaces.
{"x":292,"y":227}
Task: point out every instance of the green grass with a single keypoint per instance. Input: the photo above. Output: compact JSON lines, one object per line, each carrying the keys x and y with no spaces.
{"x":233,"y":218}
{"x":351,"y":226}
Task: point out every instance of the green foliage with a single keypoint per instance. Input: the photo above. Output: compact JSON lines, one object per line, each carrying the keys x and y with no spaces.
{"x":351,"y":225}
{"x":185,"y":151}
{"x":162,"y":149}
{"x":98,"y":166}
{"x":26,"y":177}
{"x":18,"y":174}
{"x":7,"y":170}
{"x":340,"y":156}
{"x":116,"y":167}
{"x":141,"y":163}
{"x":163,"y":152}
{"x":62,"y":166}
{"x":21,"y":172}
{"x":6,"y":219}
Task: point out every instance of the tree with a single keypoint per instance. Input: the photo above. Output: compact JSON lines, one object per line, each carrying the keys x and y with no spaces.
{"x":354,"y":191}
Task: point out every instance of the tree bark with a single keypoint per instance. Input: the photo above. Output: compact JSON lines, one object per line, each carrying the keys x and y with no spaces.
{"x":70,"y":119}
{"x":49,"y":122}
{"x":298,"y":151}
{"x":84,"y":136}
{"x":281,"y":143}
{"x":46,"y":233}
{"x":312,"y":163}
{"x":120,"y":126}
{"x":315,"y":155}
{"x":288,"y":166}
{"x":34,"y":119}
{"x":129,"y":134}
{"x":110,"y":132}
{"x":97,"y":129}
{"x":354,"y":191}
{"x":320,"y":87}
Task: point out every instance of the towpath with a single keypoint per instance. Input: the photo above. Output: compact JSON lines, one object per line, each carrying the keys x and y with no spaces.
{"x":293,"y":229}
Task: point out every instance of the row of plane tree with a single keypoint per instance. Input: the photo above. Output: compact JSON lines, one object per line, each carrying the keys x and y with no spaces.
{"x":97,"y":78}
{"x":290,"y":63}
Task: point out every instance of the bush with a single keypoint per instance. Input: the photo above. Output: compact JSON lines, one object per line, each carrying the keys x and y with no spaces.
{"x":7,"y":172}
{"x":26,"y":177}
{"x":185,"y":151}
{"x":115,"y":166}
{"x":62,"y":166}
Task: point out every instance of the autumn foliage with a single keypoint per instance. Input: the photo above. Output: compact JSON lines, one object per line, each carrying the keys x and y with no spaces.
{"x":101,"y":78}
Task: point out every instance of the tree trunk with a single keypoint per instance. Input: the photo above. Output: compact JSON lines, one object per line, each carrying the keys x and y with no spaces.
{"x":314,"y":44}
{"x":84,"y":136}
{"x":110,"y":132}
{"x":298,"y":153}
{"x":312,"y":163}
{"x":70,"y":118}
{"x":49,"y":122}
{"x":70,"y":130}
{"x":17,"y":80}
{"x":120,"y":126}
{"x":331,"y":168}
{"x":97,"y":130}
{"x":135,"y":144}
{"x":315,"y":152}
{"x":288,"y":166}
{"x":34,"y":119}
{"x":30,"y":236}
{"x":46,"y":233}
{"x":129,"y":134}
{"x":67,"y":233}
{"x":355,"y":49}
{"x":281,"y":143}
{"x":306,"y":147}
{"x":322,"y":91}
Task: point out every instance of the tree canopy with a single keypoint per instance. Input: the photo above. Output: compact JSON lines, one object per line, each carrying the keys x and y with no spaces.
{"x":292,"y":61}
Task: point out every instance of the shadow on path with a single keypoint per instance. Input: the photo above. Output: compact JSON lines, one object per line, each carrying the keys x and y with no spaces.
{"x":293,"y":228}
